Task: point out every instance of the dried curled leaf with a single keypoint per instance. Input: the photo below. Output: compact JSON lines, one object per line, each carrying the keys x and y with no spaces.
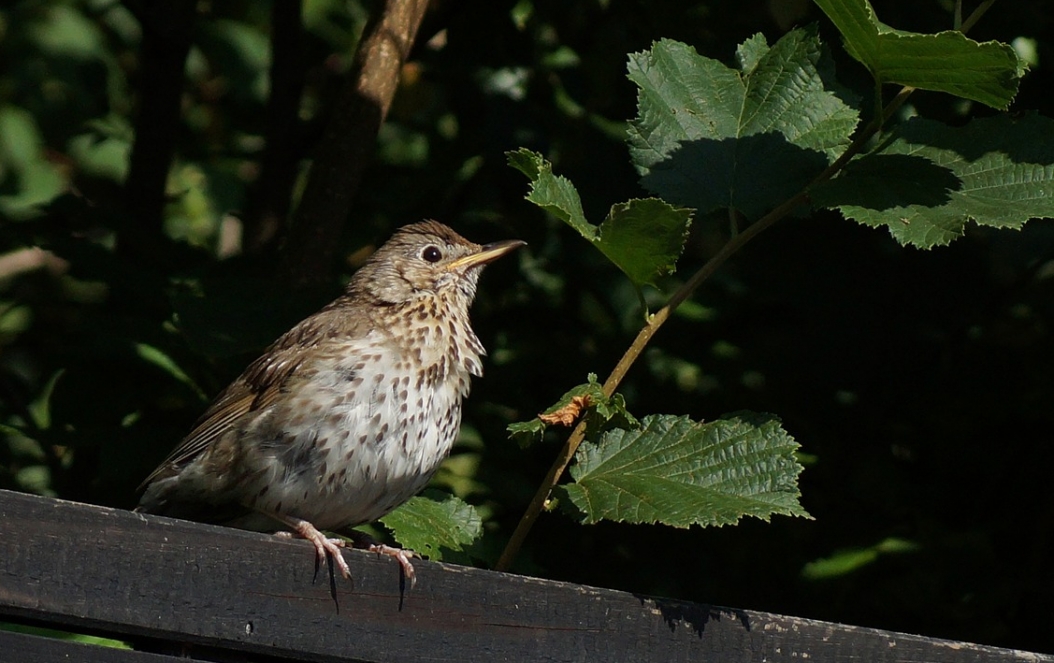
{"x":585,"y":400}
{"x":566,"y":415}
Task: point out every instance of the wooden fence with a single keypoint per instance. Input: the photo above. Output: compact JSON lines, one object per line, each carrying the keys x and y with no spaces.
{"x":211,"y":593}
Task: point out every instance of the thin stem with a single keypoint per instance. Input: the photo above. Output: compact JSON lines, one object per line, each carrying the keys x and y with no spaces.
{"x":879,"y":112}
{"x":976,"y":15}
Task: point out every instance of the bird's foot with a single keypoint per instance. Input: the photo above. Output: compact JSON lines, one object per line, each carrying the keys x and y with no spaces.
{"x":364,"y":541}
{"x":323,"y":545}
{"x":402,"y":556}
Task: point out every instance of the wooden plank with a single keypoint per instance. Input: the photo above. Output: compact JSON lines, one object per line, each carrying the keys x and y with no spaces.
{"x":19,"y":647}
{"x":97,"y":569}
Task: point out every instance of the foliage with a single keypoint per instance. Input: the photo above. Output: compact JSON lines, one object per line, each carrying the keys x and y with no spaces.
{"x":915,"y":382}
{"x":947,"y":61}
{"x":643,"y":237}
{"x":754,"y":141}
{"x":679,"y":472}
{"x":435,"y":524}
{"x":711,"y":136}
{"x":585,"y":400}
{"x":926,"y":179}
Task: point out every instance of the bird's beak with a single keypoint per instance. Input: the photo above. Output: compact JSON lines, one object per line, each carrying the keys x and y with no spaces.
{"x":487,"y":254}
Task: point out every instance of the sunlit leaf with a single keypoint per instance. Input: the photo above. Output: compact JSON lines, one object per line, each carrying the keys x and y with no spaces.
{"x":987,"y":72}
{"x":675,"y":471}
{"x":434,"y":522}
{"x":709,"y":136}
{"x":643,"y":237}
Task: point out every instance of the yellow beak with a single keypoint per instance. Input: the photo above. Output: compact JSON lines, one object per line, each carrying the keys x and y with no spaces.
{"x":487,"y":254}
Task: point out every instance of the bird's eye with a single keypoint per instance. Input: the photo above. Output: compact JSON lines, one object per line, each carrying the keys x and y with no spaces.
{"x":432,"y":254}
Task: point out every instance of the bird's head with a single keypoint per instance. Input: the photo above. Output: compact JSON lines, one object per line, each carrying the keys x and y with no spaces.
{"x":426,"y":258}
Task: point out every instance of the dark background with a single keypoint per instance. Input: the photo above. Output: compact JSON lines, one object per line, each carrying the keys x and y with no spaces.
{"x":919,"y":383}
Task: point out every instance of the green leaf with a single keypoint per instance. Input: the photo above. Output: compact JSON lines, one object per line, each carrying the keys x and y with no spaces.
{"x":435,"y":524}
{"x":679,"y":472}
{"x":35,"y":479}
{"x":526,"y":433}
{"x":29,"y":180}
{"x":844,"y":562}
{"x":64,"y":635}
{"x":987,"y":72}
{"x":553,"y":193}
{"x":708,"y":136}
{"x":926,"y":180}
{"x":63,"y":30}
{"x":250,"y":48}
{"x":643,"y":238}
{"x":166,"y":363}
{"x":602,"y":413}
{"x":101,"y":155}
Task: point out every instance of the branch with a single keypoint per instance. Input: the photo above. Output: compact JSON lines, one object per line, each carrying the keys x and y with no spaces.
{"x":269,"y":204}
{"x":348,"y":141}
{"x":976,"y":15}
{"x":168,"y":26}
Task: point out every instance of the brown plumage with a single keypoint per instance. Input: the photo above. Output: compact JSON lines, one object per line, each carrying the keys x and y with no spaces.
{"x":348,"y":414}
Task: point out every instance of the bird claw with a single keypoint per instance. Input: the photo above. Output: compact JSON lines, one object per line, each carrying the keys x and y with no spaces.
{"x":323,"y":545}
{"x":402,"y":556}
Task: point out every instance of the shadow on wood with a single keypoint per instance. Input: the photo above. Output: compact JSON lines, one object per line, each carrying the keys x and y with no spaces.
{"x":228,"y":595}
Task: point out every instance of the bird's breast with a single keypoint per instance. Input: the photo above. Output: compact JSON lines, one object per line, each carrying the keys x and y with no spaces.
{"x":361,"y":430}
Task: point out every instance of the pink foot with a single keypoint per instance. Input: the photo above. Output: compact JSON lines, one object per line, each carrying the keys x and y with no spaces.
{"x":400,"y":555}
{"x":323,"y":546}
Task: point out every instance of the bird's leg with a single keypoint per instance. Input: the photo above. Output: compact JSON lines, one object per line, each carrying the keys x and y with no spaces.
{"x":366,"y":542}
{"x":323,"y":545}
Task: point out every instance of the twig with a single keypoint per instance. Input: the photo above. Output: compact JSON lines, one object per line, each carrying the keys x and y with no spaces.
{"x":348,"y":141}
{"x":270,"y":202}
{"x":976,"y":15}
{"x":167,"y":31}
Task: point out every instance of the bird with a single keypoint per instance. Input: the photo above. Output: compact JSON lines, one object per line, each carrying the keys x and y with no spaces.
{"x":348,"y":414}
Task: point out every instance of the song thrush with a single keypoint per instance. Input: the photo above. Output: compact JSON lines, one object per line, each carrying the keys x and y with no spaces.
{"x":349,"y":413}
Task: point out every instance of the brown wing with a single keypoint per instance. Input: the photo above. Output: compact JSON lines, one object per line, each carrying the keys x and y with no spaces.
{"x":256,"y":388}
